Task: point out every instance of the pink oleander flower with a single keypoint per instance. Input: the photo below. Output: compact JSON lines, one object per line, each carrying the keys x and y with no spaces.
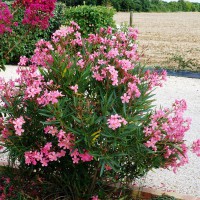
{"x":125,"y":98}
{"x":133,"y":90}
{"x":32,"y":92}
{"x":108,"y":168}
{"x":18,"y":125}
{"x":81,"y":63}
{"x":95,"y":197}
{"x":62,"y":32}
{"x":23,"y":61}
{"x":51,"y":130}
{"x":133,"y":33}
{"x":5,"y":133}
{"x":126,"y":64}
{"x":65,"y":141}
{"x":42,"y":54}
{"x":29,"y":158}
{"x":74,"y":88}
{"x":180,"y":106}
{"x":115,"y":121}
{"x":76,"y":156}
{"x":86,"y":157}
{"x":113,"y":74}
{"x":49,"y":97}
{"x":113,"y":53}
{"x":196,"y":147}
{"x":154,"y":78}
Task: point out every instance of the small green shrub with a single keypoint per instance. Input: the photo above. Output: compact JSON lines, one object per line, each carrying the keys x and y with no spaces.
{"x":26,"y":45}
{"x":164,"y":197}
{"x":182,"y":63}
{"x":91,"y":18}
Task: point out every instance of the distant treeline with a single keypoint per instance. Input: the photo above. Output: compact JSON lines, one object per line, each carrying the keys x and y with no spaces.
{"x":140,"y":5}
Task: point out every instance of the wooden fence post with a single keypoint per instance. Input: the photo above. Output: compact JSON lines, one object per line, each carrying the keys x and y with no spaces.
{"x":131,"y":18}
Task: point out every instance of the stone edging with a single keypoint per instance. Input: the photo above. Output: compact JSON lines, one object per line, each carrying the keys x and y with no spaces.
{"x":148,"y":193}
{"x":186,"y":74}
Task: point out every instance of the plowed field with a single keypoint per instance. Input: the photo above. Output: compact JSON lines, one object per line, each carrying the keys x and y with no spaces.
{"x":167,"y":39}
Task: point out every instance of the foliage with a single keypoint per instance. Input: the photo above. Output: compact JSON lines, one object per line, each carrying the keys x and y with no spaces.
{"x":181,"y":63}
{"x":85,"y":121}
{"x":90,"y":18}
{"x":155,"y":6}
{"x":25,"y":45}
{"x":142,"y":5}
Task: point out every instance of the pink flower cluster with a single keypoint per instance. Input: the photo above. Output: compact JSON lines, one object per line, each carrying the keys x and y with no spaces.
{"x":49,"y":97}
{"x":74,"y":88}
{"x":18,"y":125}
{"x":23,"y":61}
{"x":132,"y":92}
{"x":118,"y":57}
{"x":44,"y":156}
{"x":154,"y":78}
{"x":46,"y":153}
{"x":85,"y":156}
{"x":35,"y":86}
{"x":5,"y":18}
{"x":112,"y":62}
{"x":37,"y":12}
{"x":166,"y":131}
{"x":115,"y":121}
{"x":42,"y":54}
{"x":196,"y":147}
{"x":95,"y":197}
{"x":66,"y":141}
{"x":6,"y":189}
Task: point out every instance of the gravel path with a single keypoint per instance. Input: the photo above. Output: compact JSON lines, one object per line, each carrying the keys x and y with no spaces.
{"x":187,"y":179}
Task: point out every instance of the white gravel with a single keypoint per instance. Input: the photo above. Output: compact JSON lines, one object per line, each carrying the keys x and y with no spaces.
{"x":187,"y":179}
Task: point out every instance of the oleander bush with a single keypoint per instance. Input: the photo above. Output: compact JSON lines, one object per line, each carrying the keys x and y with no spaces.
{"x":90,"y":18}
{"x":80,"y":117}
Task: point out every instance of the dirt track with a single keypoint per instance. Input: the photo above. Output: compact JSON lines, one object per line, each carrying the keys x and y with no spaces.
{"x":164,"y":35}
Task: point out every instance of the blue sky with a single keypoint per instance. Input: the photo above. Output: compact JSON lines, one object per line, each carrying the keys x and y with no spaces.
{"x":187,"y":0}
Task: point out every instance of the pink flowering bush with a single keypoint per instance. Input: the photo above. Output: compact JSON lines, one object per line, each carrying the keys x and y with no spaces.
{"x":196,"y":147}
{"x":36,"y":12}
{"x":23,"y":14}
{"x":5,"y":18}
{"x":80,"y":115}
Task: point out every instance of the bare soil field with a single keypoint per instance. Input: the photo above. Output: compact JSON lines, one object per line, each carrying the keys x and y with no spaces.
{"x":167,"y":39}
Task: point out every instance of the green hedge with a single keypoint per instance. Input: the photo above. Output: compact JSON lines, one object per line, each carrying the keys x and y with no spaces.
{"x":90,"y":18}
{"x":26,"y":45}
